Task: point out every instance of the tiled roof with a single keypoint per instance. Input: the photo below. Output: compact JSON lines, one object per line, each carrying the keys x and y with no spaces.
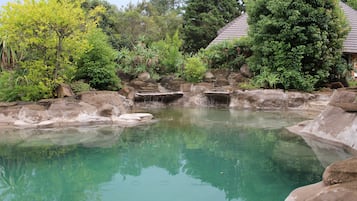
{"x":350,"y":44}
{"x":235,"y":29}
{"x":239,"y":27}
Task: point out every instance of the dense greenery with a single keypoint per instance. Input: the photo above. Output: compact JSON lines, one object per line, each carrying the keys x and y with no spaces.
{"x":98,"y":67}
{"x":160,"y":57}
{"x":145,"y":23}
{"x":202,"y":20}
{"x":194,"y":69}
{"x":49,"y":36}
{"x":85,"y":43}
{"x":296,"y":44}
{"x":228,"y":54}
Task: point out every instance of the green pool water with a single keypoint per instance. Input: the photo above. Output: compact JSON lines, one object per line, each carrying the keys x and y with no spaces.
{"x":187,"y":155}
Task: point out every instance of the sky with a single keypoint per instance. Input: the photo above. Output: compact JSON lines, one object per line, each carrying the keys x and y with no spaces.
{"x":118,"y":3}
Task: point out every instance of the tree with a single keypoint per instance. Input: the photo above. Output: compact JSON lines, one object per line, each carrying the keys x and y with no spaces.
{"x":8,"y":56}
{"x":297,"y":44}
{"x":98,"y":67}
{"x":202,"y":20}
{"x":51,"y":35}
{"x":109,"y":20}
{"x":145,"y":23}
{"x":165,"y":6}
{"x":170,"y":57}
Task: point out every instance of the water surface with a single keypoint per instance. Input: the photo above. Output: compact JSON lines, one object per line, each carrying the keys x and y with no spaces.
{"x":188,"y":155}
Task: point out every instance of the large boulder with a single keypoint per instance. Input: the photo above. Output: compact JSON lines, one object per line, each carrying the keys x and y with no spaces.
{"x":245,"y":71}
{"x":221,"y":73}
{"x":171,"y":83}
{"x":87,"y":108}
{"x":64,"y":90}
{"x":341,"y":172}
{"x":144,"y":86}
{"x":339,"y":183}
{"x":335,"y":124}
{"x":209,"y":77}
{"x":144,"y":76}
{"x":266,"y":99}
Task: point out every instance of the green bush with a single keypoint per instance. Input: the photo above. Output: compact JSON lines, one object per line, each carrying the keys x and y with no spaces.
{"x":30,"y":82}
{"x":140,"y":59}
{"x":80,"y":86}
{"x":170,"y":58}
{"x":297,"y":44}
{"x":98,"y":66}
{"x":228,"y":54}
{"x":194,"y":69}
{"x":247,"y":85}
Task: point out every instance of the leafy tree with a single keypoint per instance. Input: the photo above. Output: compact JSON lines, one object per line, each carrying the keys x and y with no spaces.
{"x":169,"y":55}
{"x":296,"y":44}
{"x":165,"y":6}
{"x":51,"y":34}
{"x":109,"y":20}
{"x":202,"y":20}
{"x":145,"y":23}
{"x":98,"y":66}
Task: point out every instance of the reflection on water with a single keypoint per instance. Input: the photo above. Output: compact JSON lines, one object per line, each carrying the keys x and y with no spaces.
{"x":189,"y":155}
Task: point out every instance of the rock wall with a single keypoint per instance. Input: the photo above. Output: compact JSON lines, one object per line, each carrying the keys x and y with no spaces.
{"x":339,"y":183}
{"x":260,"y":99}
{"x":86,"y":108}
{"x":337,"y":123}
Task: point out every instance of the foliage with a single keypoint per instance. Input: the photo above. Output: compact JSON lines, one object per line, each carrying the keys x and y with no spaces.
{"x":27,"y":83}
{"x":165,"y":6}
{"x":80,"y":86}
{"x":247,"y":85}
{"x":51,"y":35}
{"x":145,"y":23}
{"x":194,"y":69}
{"x":140,"y":59}
{"x":352,"y":83}
{"x":169,"y":54}
{"x":8,"y":56}
{"x":202,"y":20}
{"x":98,"y":67}
{"x":267,"y":79}
{"x":228,"y":54}
{"x":296,"y":44}
{"x":108,"y":20}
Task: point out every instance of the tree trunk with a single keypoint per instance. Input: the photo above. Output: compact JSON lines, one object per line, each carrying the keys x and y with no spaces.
{"x":58,"y":56}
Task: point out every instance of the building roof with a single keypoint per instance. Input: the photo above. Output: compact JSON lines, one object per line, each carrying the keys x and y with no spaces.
{"x":350,"y":44}
{"x":233,"y":30}
{"x":239,"y":27}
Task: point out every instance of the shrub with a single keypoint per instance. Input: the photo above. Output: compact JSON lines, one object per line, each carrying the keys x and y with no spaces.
{"x":247,"y":85}
{"x":140,"y":59}
{"x":194,"y":69}
{"x":80,"y":86}
{"x":98,"y":67}
{"x":170,"y":58}
{"x":28,"y":83}
{"x":228,"y":54}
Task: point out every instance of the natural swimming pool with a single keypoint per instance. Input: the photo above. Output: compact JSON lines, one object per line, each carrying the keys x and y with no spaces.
{"x":188,"y":155}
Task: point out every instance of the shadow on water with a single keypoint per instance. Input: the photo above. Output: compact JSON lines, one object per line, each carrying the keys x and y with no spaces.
{"x":188,"y":155}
